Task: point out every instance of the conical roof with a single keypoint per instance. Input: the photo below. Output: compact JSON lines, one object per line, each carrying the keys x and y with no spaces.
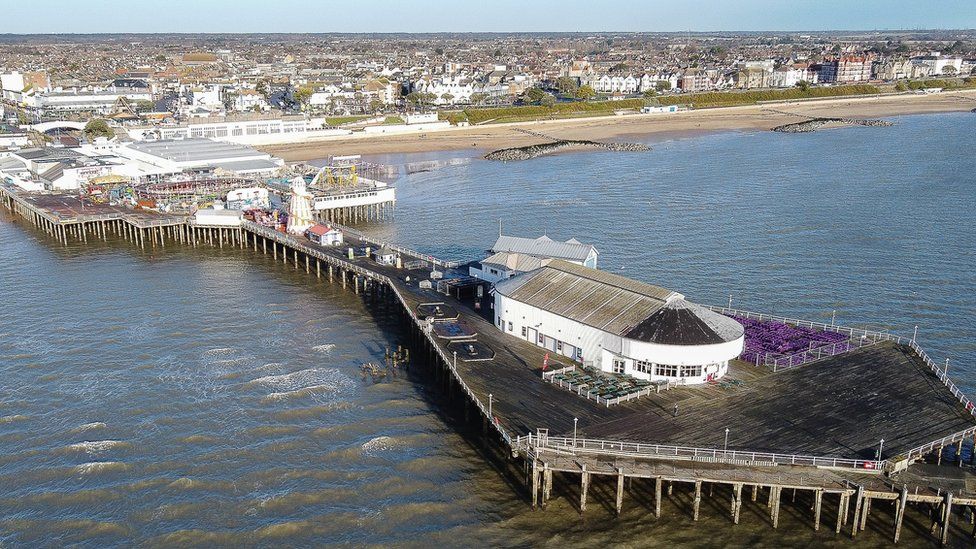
{"x":680,"y":322}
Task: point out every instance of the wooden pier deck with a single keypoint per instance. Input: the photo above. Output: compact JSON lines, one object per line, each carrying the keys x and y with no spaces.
{"x":817,"y":427}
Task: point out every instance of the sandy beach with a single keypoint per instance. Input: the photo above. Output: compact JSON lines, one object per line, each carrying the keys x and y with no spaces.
{"x":751,"y":117}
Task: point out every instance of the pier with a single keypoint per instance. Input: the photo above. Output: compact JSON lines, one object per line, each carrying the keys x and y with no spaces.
{"x":812,"y":433}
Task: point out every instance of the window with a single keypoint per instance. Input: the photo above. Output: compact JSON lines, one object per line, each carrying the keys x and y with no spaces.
{"x":665,"y":370}
{"x":691,"y":371}
{"x":524,"y":331}
{"x":618,"y":366}
{"x":542,"y":339}
{"x":559,"y":346}
{"x":510,"y":327}
{"x":643,"y":367}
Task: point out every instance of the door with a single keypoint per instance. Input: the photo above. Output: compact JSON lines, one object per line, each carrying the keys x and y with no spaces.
{"x":532,"y":336}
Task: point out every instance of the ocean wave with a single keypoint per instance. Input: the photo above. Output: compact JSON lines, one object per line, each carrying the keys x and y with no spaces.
{"x":94,"y":467}
{"x":13,"y":418}
{"x":322,"y":379}
{"x":88,"y":427}
{"x":378,"y":444}
{"x":94,"y":447}
{"x":298,"y":393}
{"x":218,"y":352}
{"x":325,"y":348}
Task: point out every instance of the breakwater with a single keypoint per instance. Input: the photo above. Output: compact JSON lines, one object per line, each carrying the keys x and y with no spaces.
{"x":534,"y":151}
{"x":815,"y":124}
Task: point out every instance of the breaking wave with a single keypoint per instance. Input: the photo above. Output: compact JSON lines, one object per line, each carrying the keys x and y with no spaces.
{"x":88,"y":427}
{"x":325,"y":348}
{"x":95,"y":467}
{"x":94,"y":447}
{"x":379,"y":444}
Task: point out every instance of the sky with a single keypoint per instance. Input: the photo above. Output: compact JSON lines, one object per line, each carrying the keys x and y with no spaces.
{"x":246,"y":16}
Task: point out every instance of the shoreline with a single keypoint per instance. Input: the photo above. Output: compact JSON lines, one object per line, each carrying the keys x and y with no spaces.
{"x":749,"y":117}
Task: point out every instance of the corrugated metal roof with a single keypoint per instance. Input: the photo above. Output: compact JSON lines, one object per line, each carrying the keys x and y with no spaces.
{"x":543,"y":247}
{"x":603,"y":300}
{"x":515,"y":261}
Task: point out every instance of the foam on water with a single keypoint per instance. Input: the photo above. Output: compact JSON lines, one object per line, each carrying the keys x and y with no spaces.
{"x":324,"y":348}
{"x":379,"y":444}
{"x":95,"y":447}
{"x":95,"y":467}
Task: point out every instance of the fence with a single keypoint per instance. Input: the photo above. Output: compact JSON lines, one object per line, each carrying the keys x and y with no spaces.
{"x":590,"y":395}
{"x":851,"y":332}
{"x":573,"y":445}
{"x":428,"y":259}
{"x":816,"y":353}
{"x":487,"y":411}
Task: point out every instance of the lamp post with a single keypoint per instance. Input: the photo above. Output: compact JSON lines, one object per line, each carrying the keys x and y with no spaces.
{"x":490,"y":416}
{"x":833,"y":317}
{"x":730,"y":301}
{"x":880,"y":447}
{"x":575,"y":422}
{"x":725,"y":450}
{"x":945,"y":373}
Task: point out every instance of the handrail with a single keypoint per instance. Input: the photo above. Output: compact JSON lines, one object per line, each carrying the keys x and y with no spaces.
{"x":576,"y":445}
{"x":851,"y":332}
{"x":786,"y":362}
{"x":400,"y":249}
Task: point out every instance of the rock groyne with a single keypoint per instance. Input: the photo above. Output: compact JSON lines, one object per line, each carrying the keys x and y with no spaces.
{"x":815,"y":124}
{"x":542,"y":149}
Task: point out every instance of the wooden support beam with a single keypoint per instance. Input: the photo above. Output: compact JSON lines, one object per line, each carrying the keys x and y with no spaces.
{"x":946,"y":515}
{"x":697,"y":501}
{"x":535,"y":482}
{"x":775,"y":510}
{"x":865,"y":513}
{"x":657,"y":497}
{"x":584,"y":486}
{"x":841,"y":512}
{"x":900,"y":511}
{"x":546,"y":484}
{"x":817,"y":507}
{"x":858,"y":503}
{"x":737,"y":503}
{"x":620,"y":490}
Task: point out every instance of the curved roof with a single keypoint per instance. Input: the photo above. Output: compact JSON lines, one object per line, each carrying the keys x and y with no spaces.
{"x":680,"y":322}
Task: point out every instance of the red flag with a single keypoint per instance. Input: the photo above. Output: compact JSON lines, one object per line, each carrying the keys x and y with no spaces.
{"x":545,"y":362}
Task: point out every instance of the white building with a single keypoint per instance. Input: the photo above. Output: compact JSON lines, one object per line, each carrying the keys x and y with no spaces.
{"x":251,"y":130}
{"x":218,"y":218}
{"x":512,"y":255}
{"x":98,"y":100}
{"x":617,"y":324}
{"x":324,"y":235}
{"x":176,"y":156}
{"x":938,"y":64}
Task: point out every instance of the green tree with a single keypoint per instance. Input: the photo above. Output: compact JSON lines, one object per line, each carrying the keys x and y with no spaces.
{"x":585,"y":92}
{"x":547,"y":100}
{"x":375,"y":105}
{"x":901,"y":87}
{"x":567,"y":85}
{"x":97,"y":127}
{"x":949,"y":70}
{"x":303,"y":95}
{"x":478,"y":98}
{"x":447,"y":97}
{"x":650,"y":93}
{"x":662,"y":85}
{"x":535,"y":95}
{"x":803,"y":85}
{"x":263,"y":88}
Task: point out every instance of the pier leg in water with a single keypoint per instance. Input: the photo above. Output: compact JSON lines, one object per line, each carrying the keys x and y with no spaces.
{"x":546,"y":484}
{"x":736,"y":503}
{"x":584,"y":486}
{"x":858,"y":503}
{"x":817,"y":506}
{"x":946,"y":515}
{"x":697,"y":500}
{"x":657,"y":497}
{"x":535,"y":482}
{"x":620,"y":490}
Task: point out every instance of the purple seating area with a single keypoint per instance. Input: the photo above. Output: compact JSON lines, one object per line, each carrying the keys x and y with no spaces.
{"x":768,"y":338}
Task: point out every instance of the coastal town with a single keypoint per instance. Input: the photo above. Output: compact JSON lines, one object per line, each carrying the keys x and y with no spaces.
{"x":615,"y":390}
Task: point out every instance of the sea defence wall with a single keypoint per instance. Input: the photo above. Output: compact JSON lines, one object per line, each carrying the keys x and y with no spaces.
{"x":530,"y":425}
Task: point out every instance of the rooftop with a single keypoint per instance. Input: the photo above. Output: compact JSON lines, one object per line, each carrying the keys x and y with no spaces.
{"x":544,"y":246}
{"x":195,"y":150}
{"x":603,"y":300}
